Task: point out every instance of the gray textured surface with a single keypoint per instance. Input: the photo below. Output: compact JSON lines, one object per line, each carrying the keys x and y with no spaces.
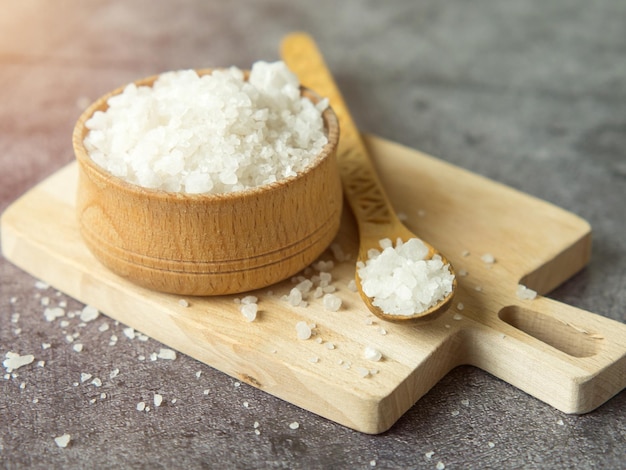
{"x":528,"y":93}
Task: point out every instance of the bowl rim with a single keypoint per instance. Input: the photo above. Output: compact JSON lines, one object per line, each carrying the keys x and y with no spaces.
{"x":331,"y":126}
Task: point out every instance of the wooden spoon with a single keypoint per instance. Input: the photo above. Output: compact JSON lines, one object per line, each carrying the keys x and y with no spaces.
{"x":374,"y":214}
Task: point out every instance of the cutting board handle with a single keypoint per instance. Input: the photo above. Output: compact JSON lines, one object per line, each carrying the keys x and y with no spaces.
{"x":572,"y":359}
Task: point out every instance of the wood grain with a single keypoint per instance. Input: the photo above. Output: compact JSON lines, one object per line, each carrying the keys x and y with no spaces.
{"x":572,"y":359}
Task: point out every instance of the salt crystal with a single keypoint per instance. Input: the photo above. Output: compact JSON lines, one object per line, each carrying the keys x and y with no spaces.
{"x":45,"y":345}
{"x":53,"y":313}
{"x":372,"y":354}
{"x":457,"y":317}
{"x":524,"y":293}
{"x":41,"y":285}
{"x":198,"y":374}
{"x":104,"y":327}
{"x":183,"y":303}
{"x":89,"y":313}
{"x":14,"y":361}
{"x":294,"y":425}
{"x":129,"y":332}
{"x":352,"y":285}
{"x":78,"y":347}
{"x":330,"y":346}
{"x":491,"y":444}
{"x":331,"y":302}
{"x":84,"y":376}
{"x":114,"y":373}
{"x":141,"y":406}
{"x":363,"y":372}
{"x":440,"y":465}
{"x":158,"y":399}
{"x":460,"y":306}
{"x":429,"y":455}
{"x":249,"y":311}
{"x":166,"y":354}
{"x":62,"y":441}
{"x":96,"y":382}
{"x":303,"y":330}
{"x":488,"y":258}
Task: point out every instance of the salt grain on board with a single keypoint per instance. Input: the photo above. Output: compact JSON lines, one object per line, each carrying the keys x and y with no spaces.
{"x":303,"y":330}
{"x":524,"y":293}
{"x":372,"y":354}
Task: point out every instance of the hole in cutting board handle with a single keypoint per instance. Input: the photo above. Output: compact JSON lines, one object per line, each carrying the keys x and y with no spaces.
{"x":568,"y":338}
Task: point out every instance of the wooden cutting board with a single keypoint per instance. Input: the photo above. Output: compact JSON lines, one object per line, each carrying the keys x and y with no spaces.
{"x":572,"y":359}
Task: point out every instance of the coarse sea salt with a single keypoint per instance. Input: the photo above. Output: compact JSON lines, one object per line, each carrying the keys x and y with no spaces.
{"x":14,"y":361}
{"x":401,"y":281}
{"x":214,"y":133}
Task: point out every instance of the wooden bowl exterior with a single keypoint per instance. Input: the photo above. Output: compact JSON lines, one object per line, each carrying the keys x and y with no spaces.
{"x":208,"y":244}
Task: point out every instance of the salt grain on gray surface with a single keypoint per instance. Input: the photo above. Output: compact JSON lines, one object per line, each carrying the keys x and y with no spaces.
{"x":89,"y":313}
{"x":166,"y":354}
{"x":53,"y":313}
{"x":401,"y":281}
{"x":14,"y":361}
{"x":62,"y":441}
{"x":212,"y":134}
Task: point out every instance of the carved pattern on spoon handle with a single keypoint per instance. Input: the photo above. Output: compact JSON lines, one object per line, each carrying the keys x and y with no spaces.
{"x":361,"y":184}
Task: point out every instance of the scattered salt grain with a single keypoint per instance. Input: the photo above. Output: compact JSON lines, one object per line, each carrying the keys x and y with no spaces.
{"x":198,"y":374}
{"x":330,"y":346}
{"x":166,"y":354}
{"x":89,"y":313}
{"x":401,"y":281}
{"x":78,"y":347}
{"x":429,"y":455}
{"x":488,"y":258}
{"x":524,"y":293}
{"x":96,"y":382}
{"x":294,"y":425}
{"x":303,"y":330}
{"x":465,"y":402}
{"x":372,"y":354}
{"x":462,"y":272}
{"x":114,"y":373}
{"x":84,"y":376}
{"x":104,"y":327}
{"x":460,"y":306}
{"x":440,"y":465}
{"x":53,"y":313}
{"x":372,"y":463}
{"x":62,"y":441}
{"x":352,"y":285}
{"x":249,"y":311}
{"x":363,"y":372}
{"x":457,"y":317}
{"x":314,"y":360}
{"x":158,"y":399}
{"x":183,"y":303}
{"x":331,"y":302}
{"x":491,"y":444}
{"x":206,"y":391}
{"x":41,"y":285}
{"x":216,"y":133}
{"x":113,"y":340}
{"x":141,"y":406}
{"x":41,"y":364}
{"x":129,"y":332}
{"x":14,"y":361}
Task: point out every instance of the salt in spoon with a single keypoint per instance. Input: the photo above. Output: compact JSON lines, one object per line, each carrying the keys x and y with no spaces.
{"x":374,"y":214}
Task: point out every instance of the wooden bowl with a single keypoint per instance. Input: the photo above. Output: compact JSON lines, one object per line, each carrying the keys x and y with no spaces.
{"x":208,"y":244}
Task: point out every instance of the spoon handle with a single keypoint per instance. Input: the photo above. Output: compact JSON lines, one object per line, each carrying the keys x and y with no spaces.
{"x":361,"y":185}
